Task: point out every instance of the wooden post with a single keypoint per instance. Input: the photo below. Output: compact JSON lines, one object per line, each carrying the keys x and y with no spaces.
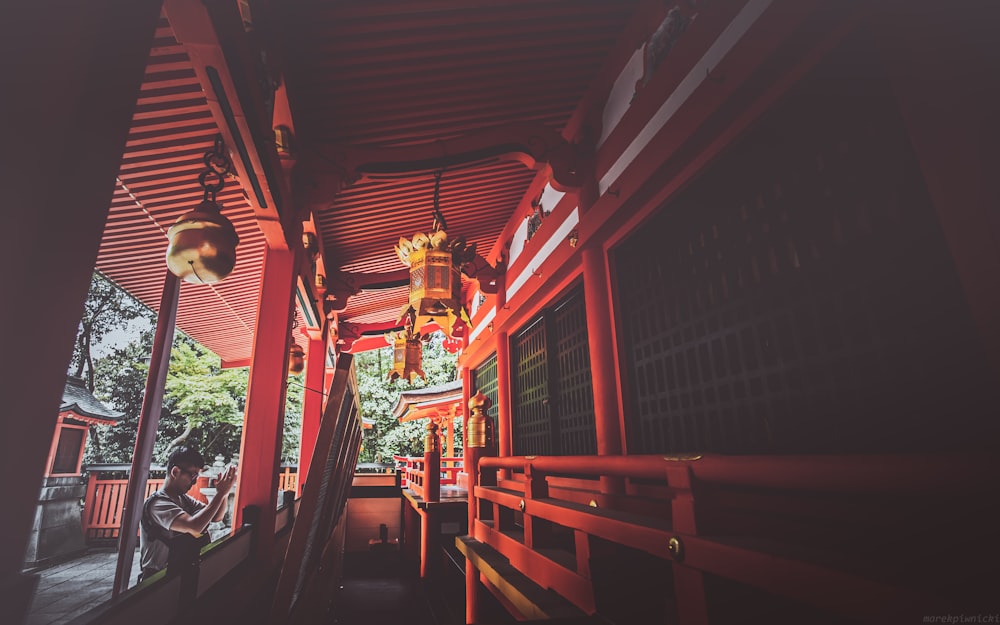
{"x":689,"y":583}
{"x":537,"y":532}
{"x":432,"y":463}
{"x":149,"y":420}
{"x":597,"y":295}
{"x":263,"y":421}
{"x":504,"y":426}
{"x":312,"y":399}
{"x":69,"y":101}
{"x":475,"y":448}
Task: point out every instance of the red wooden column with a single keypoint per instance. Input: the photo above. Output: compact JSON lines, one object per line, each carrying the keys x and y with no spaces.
{"x":504,"y":422}
{"x":432,"y":463}
{"x":312,"y":400}
{"x":475,"y":448}
{"x":597,"y":294}
{"x":68,"y":102}
{"x":263,"y":420}
{"x":689,"y":583}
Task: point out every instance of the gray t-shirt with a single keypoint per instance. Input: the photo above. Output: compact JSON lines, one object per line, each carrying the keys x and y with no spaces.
{"x":162,"y":511}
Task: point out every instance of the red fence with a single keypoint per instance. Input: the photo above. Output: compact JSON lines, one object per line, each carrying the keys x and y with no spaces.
{"x":413,"y":471}
{"x":836,"y":533}
{"x":105,"y":500}
{"x":103,"y":505}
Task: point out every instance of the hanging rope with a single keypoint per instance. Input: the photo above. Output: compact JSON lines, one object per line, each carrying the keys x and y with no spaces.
{"x":439,"y":222}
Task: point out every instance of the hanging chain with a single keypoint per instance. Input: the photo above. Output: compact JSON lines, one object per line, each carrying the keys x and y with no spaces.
{"x":439,"y":222}
{"x":217,"y":167}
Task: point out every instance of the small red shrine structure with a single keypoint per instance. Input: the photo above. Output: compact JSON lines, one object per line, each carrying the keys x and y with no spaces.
{"x":58,"y":528}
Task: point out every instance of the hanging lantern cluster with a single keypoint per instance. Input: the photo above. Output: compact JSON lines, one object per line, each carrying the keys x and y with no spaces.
{"x":407,"y":355}
{"x":203,"y":242}
{"x":435,"y":263}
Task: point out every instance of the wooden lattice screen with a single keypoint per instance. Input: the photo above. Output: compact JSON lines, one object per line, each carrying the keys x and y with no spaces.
{"x":574,"y":405}
{"x":530,"y":419}
{"x":799,"y":295}
{"x":553,"y":405}
{"x":484,"y":378}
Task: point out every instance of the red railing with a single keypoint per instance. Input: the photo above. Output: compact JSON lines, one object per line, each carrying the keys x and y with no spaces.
{"x":798,"y":527}
{"x":288,"y":479}
{"x":103,"y":505}
{"x":412,"y":476}
{"x":105,"y":500}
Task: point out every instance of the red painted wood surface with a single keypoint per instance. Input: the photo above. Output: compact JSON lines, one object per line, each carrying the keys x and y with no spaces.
{"x":737,"y":518}
{"x":266,"y":397}
{"x":312,"y":399}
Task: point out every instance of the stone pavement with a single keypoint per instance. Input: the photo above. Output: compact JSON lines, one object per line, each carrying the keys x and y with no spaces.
{"x":70,"y":588}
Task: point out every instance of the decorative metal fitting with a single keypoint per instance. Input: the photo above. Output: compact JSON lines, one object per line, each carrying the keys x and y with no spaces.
{"x":593,"y":503}
{"x":521,"y":505}
{"x":478,"y":426}
{"x":574,"y":237}
{"x":676,"y":548}
{"x":432,"y":442}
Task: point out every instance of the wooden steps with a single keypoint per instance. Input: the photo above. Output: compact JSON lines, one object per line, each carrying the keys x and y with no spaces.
{"x":530,"y":599}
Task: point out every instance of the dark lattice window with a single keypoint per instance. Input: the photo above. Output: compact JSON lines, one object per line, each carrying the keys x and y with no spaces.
{"x":484,"y":379}
{"x":574,"y":405}
{"x":799,"y":296}
{"x":553,"y":405}
{"x":531,"y":421}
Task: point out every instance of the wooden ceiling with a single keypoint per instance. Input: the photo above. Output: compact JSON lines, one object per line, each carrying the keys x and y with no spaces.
{"x":373,"y":72}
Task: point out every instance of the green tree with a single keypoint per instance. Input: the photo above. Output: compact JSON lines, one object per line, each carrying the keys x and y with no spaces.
{"x":120,"y":382}
{"x":209,"y":398}
{"x":108,"y":308}
{"x":378,"y":395}
{"x":292,"y":436}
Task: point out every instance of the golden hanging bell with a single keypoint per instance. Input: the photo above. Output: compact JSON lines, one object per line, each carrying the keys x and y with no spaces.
{"x":202,"y":247}
{"x":296,"y":359}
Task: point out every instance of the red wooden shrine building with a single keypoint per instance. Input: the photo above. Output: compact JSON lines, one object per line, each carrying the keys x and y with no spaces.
{"x":733,"y":297}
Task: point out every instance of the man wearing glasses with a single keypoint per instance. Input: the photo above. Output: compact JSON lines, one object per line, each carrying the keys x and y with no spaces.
{"x":172,"y":527}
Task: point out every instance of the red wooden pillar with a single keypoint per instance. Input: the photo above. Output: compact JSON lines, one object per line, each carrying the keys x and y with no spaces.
{"x":689,"y":583}
{"x":68,"y":102}
{"x":263,"y":420}
{"x":504,"y":423}
{"x":312,"y":400}
{"x":432,"y":463}
{"x":475,"y":448}
{"x":597,"y":294}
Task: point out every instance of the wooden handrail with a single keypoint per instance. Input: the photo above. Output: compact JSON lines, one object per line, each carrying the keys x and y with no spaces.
{"x":812,"y":573}
{"x":825,"y":473}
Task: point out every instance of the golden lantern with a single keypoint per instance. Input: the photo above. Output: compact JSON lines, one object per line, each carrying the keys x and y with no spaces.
{"x":407,"y":354}
{"x":203,"y":242}
{"x":296,"y":359}
{"x":435,"y":263}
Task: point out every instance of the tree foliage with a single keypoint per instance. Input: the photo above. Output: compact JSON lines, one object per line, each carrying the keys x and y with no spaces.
{"x":209,"y":398}
{"x":378,"y":396}
{"x":203,"y":404}
{"x":108,"y":308}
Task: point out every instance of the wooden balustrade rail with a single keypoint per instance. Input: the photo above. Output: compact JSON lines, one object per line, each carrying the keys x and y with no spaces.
{"x":413,"y":472}
{"x":105,"y":500}
{"x":798,"y":527}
